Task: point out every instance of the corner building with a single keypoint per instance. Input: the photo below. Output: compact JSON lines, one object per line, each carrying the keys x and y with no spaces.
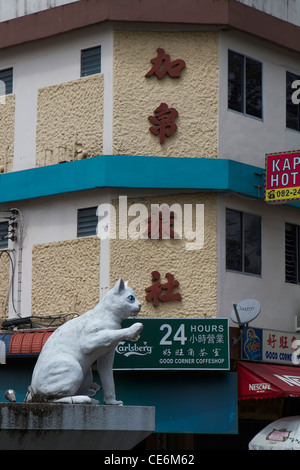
{"x":83,"y":127}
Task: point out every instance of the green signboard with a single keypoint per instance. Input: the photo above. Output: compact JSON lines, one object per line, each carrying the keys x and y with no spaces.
{"x":176,"y":343}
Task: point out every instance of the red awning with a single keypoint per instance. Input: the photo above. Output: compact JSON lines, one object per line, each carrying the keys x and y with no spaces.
{"x":28,"y":342}
{"x":267,"y":380}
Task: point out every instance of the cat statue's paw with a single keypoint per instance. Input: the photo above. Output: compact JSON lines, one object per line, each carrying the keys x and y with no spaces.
{"x":134,"y":331}
{"x":113,"y":402}
{"x":136,"y":338}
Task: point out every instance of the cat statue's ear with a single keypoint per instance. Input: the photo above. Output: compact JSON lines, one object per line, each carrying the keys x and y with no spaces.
{"x":119,"y":286}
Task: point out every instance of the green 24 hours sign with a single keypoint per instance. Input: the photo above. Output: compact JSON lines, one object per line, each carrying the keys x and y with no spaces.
{"x":169,"y":343}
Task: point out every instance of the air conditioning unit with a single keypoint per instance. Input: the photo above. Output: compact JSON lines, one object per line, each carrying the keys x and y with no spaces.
{"x":297,"y":323}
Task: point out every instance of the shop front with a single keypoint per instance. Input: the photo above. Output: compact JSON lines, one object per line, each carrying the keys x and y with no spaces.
{"x":268,"y":378}
{"x":180,"y":366}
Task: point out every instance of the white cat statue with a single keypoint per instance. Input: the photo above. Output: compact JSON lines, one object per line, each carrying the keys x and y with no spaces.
{"x":63,"y":370}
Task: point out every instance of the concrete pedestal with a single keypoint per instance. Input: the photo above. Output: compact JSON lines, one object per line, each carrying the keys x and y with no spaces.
{"x":56,"y":426}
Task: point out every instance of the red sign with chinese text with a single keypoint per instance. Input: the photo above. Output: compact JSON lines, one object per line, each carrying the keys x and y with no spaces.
{"x":160,"y":225}
{"x":163,"y":65}
{"x":162,"y":292}
{"x":163,"y":122}
{"x":282,"y":176}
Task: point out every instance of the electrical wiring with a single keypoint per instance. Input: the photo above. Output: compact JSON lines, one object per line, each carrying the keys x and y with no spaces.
{"x":12,"y":278}
{"x":38,"y":321}
{"x":15,"y":216}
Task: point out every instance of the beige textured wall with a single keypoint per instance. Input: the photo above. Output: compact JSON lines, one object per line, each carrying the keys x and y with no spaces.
{"x":196,"y":271}
{"x":65,"y":276}
{"x":7,"y":132}
{"x":4,"y":285}
{"x":194,"y":95}
{"x":68,"y":113}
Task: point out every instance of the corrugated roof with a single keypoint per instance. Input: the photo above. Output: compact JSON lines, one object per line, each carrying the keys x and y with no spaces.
{"x":25,"y":342}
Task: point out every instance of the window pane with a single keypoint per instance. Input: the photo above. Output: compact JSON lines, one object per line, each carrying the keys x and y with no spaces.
{"x":235,"y":81}
{"x":291,"y":253}
{"x":6,"y":82}
{"x":253,"y":88}
{"x":90,"y":61}
{"x":292,"y":110}
{"x":233,"y":240}
{"x":3,"y":235}
{"x":87,"y":222}
{"x":252,"y":244}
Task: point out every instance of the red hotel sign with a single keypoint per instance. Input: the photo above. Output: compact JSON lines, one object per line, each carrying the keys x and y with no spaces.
{"x":282,"y":176}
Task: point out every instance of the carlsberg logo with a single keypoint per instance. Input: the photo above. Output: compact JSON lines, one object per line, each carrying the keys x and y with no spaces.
{"x":133,"y":349}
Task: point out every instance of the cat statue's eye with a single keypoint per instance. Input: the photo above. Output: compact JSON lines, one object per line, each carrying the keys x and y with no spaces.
{"x":131,"y":298}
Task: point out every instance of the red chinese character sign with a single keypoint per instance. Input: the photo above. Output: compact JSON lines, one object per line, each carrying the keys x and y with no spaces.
{"x":269,"y":345}
{"x":163,"y":122}
{"x":282,"y":181}
{"x":160,"y":225}
{"x":162,"y":292}
{"x":163,"y":65}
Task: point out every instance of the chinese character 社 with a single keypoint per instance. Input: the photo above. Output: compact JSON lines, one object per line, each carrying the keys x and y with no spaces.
{"x":155,"y":292}
{"x":162,"y":65}
{"x":163,"y":122}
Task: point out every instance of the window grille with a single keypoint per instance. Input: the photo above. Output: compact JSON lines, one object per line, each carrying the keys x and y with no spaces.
{"x":3,"y":235}
{"x":87,"y":221}
{"x":90,"y":61}
{"x":292,"y":254}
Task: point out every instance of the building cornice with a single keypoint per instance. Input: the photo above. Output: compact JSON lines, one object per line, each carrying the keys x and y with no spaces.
{"x":140,"y":172}
{"x":225,"y":14}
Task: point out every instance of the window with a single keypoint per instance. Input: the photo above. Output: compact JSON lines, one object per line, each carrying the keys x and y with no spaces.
{"x":6,"y":82}
{"x":243,"y":242}
{"x":292,"y":260}
{"x":244,"y":85}
{"x":90,"y":61}
{"x":87,"y":221}
{"x":292,"y":110}
{"x":3,"y":235}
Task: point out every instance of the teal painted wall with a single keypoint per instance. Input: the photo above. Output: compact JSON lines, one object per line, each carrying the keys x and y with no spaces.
{"x":185,"y":401}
